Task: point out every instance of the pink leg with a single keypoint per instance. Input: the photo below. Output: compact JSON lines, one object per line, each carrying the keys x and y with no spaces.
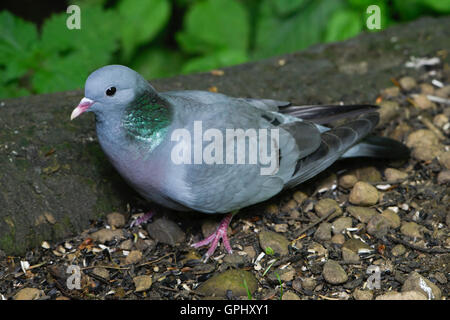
{"x":145,"y":218}
{"x":220,"y":233}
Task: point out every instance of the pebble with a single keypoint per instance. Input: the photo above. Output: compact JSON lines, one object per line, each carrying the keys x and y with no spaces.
{"x":363,"y":194}
{"x":440,"y":277}
{"x":309,"y":283}
{"x":274,"y":240}
{"x":349,"y":256}
{"x":234,"y":259}
{"x":444,"y":160}
{"x":116,"y":219}
{"x":166,"y":231}
{"x":388,"y":110}
{"x":288,"y":206}
{"x":101,"y":272}
{"x":347,"y":181}
{"x":133,"y":257}
{"x":28,"y":294}
{"x":272,"y":209}
{"x":443,"y":177}
{"x":378,"y":226}
{"x":408,"y":295}
{"x":392,"y":217}
{"x":289,"y":295}
{"x":426,"y":88}
{"x":359,"y":294}
{"x":392,"y":174}
{"x":323,"y":232}
{"x":368,"y":174}
{"x":300,"y":197}
{"x":338,"y":239}
{"x":398,"y":250}
{"x":142,"y":283}
{"x":324,"y":206}
{"x":443,"y":92}
{"x":391,"y":92}
{"x":422,"y":102}
{"x":426,"y":153}
{"x":251,"y":253}
{"x":341,"y":224}
{"x":281,"y":228}
{"x":231,"y":279}
{"x":363,"y":214}
{"x":407,"y":83}
{"x":411,"y":229}
{"x":333,"y":273}
{"x":422,"y":137}
{"x":126,"y":245}
{"x":106,"y":235}
{"x":440,"y":120}
{"x":416,"y":282}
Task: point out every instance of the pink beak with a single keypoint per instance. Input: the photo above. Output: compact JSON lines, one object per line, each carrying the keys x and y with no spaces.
{"x":84,"y":104}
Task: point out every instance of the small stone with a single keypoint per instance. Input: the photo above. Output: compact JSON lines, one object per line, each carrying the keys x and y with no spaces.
{"x":309,"y":283}
{"x":325,"y":206}
{"x":359,"y":294}
{"x":388,"y":110}
{"x":333,"y":272}
{"x":400,"y":132}
{"x":327,"y":183}
{"x":288,"y":274}
{"x":232,"y":279}
{"x":415,"y":282}
{"x":106,"y":235}
{"x":363,"y":214}
{"x":349,"y":256}
{"x":422,"y":137}
{"x":378,"y":226}
{"x":363,"y":194}
{"x":274,"y":240}
{"x":116,"y":219}
{"x":323,"y":232}
{"x":444,"y":160}
{"x":251,"y":253}
{"x":443,"y":177}
{"x":443,"y":92}
{"x":398,"y":250}
{"x":392,"y":217}
{"x":426,"y":153}
{"x":440,"y":277}
{"x":272,"y":209}
{"x":341,"y":224}
{"x":422,"y":102}
{"x":411,"y":229}
{"x":440,"y":120}
{"x":281,"y":228}
{"x":347,"y":181}
{"x":408,"y":295}
{"x":126,"y":245}
{"x":289,"y":295}
{"x":290,"y":205}
{"x":166,"y":231}
{"x":407,"y":83}
{"x":368,"y":174}
{"x":338,"y":239}
{"x":391,"y":92}
{"x":234,"y":259}
{"x":300,"y":197}
{"x":101,"y":272}
{"x":142,"y":283}
{"x":392,"y":174}
{"x":426,"y":88}
{"x":133,"y":257}
{"x":356,"y":246}
{"x":28,"y":294}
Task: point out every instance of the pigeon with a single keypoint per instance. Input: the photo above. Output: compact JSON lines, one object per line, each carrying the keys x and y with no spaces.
{"x":208,"y":152}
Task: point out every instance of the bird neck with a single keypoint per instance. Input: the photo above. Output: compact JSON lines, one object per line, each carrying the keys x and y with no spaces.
{"x":147,"y":119}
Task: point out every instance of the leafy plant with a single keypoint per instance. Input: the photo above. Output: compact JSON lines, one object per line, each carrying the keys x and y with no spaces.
{"x":281,"y":285}
{"x":249,"y":294}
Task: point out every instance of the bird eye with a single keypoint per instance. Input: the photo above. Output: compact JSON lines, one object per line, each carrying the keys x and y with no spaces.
{"x":110,"y":91}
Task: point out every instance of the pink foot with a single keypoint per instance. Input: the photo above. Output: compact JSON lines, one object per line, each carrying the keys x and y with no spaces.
{"x":220,"y":233}
{"x":145,"y":218}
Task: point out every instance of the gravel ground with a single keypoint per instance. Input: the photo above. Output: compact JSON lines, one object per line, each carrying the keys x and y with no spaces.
{"x":320,"y":241}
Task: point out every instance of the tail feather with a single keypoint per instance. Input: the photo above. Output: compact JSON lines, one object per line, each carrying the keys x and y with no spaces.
{"x":378,"y":147}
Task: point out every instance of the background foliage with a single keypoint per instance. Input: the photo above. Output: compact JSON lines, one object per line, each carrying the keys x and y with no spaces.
{"x":160,"y":38}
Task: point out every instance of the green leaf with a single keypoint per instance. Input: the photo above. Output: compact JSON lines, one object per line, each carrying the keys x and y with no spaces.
{"x":141,"y":21}
{"x":278,"y":34}
{"x":18,"y":39}
{"x":213,"y":25}
{"x":441,"y":6}
{"x":408,"y":10}
{"x":343,"y":24}
{"x":157,"y":62}
{"x":215,"y":60}
{"x":287,"y":6}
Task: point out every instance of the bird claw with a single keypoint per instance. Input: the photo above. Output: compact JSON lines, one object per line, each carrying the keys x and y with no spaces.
{"x":220,"y":233}
{"x":143,"y":219}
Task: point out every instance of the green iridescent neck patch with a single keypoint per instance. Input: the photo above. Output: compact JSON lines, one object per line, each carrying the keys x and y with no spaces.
{"x":147,"y":119}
